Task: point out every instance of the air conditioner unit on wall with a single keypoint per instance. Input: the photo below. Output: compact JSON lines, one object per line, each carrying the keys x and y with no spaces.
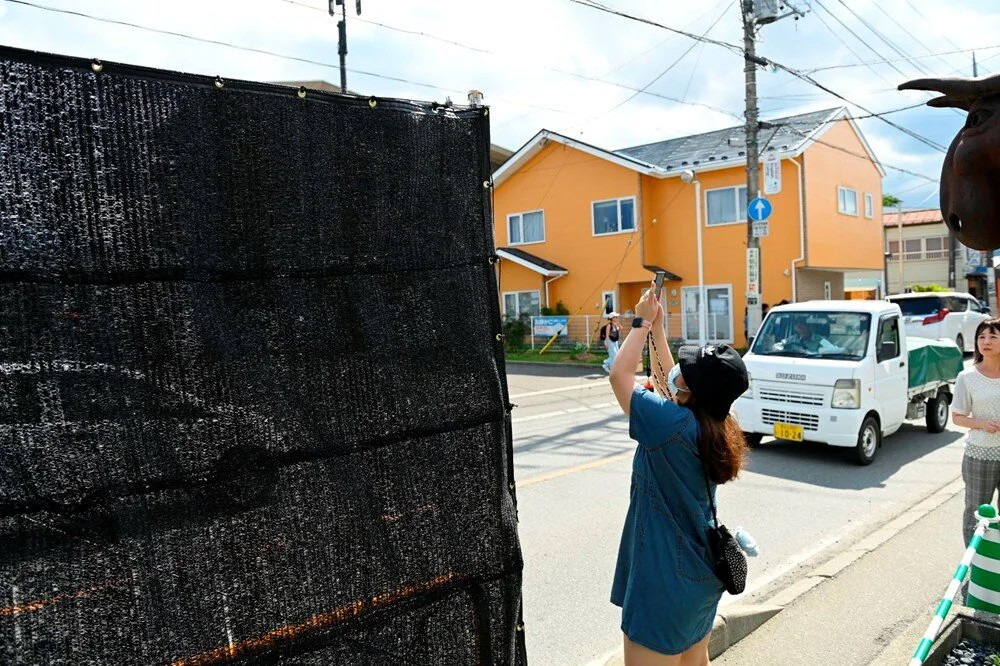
{"x":765,"y":11}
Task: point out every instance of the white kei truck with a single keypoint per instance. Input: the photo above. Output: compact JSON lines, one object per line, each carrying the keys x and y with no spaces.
{"x":843,"y":373}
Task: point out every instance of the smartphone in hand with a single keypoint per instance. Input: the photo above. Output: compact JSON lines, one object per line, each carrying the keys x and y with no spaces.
{"x":658,"y":283}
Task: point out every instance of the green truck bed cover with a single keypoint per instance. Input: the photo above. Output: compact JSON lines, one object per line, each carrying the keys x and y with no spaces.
{"x":933,"y":361}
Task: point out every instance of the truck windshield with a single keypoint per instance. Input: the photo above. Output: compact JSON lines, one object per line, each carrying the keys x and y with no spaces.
{"x":834,"y":335}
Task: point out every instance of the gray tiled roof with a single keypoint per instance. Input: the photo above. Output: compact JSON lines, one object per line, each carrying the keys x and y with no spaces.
{"x":713,"y":149}
{"x":534,"y":259}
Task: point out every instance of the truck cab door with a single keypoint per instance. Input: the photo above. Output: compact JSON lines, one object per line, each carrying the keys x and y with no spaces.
{"x":891,"y":373}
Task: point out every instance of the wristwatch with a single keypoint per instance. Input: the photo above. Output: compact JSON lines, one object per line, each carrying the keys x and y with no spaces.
{"x":639,"y":322}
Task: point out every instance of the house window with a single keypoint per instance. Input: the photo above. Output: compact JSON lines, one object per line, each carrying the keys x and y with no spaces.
{"x":894,"y":250}
{"x":936,"y":247}
{"x":847,"y":201}
{"x":718,"y":311}
{"x":614,"y":215}
{"x":869,"y":206}
{"x":608,"y":299}
{"x":518,"y":303}
{"x":912,"y":249}
{"x":726,"y":206}
{"x":526,"y":227}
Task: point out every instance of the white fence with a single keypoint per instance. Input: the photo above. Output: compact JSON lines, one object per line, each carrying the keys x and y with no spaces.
{"x":585,"y":329}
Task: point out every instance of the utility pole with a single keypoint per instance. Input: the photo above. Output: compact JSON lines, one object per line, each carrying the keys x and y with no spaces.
{"x":755,"y":13}
{"x":750,"y":62}
{"x":342,"y":36}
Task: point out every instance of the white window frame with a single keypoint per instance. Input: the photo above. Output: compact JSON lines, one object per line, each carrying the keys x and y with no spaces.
{"x":521,"y":215}
{"x":618,"y":200}
{"x":869,"y":206}
{"x":912,"y":256}
{"x":518,"y":298}
{"x":732,"y":322}
{"x":614,"y":301}
{"x":843,"y":210}
{"x":741,"y":211}
{"x":938,"y":254}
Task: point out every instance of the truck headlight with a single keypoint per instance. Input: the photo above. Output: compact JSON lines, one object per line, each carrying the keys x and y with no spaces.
{"x":846,"y":394}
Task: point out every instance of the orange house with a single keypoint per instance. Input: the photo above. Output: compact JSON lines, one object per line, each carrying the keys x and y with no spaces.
{"x":588,"y":227}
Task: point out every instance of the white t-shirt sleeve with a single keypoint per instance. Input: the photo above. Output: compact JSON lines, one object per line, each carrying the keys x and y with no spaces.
{"x":961,"y":402}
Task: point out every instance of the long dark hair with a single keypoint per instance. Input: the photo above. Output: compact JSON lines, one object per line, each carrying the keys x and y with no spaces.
{"x":991,"y":324}
{"x":721,"y":444}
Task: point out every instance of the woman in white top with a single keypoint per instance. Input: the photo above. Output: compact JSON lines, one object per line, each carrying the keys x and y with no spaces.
{"x":977,"y":406}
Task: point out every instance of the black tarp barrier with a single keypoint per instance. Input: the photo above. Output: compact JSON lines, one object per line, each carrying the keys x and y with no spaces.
{"x":253,"y":405}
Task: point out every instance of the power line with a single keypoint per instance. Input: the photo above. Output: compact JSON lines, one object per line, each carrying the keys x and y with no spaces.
{"x":843,"y":41}
{"x":851,"y":152}
{"x":856,"y":36}
{"x":883,"y":62}
{"x":881,"y":36}
{"x":594,"y":5}
{"x":251,"y":49}
{"x":909,"y":33}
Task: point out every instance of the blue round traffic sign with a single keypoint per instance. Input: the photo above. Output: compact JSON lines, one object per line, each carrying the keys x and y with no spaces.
{"x":759,"y":209}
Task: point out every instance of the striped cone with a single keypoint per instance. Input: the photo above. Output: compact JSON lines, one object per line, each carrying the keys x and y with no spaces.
{"x":984,"y":583}
{"x":986,"y":558}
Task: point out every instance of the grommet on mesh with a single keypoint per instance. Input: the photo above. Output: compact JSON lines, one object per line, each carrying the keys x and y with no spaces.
{"x":500,"y":337}
{"x":486,"y":112}
{"x":219,"y":83}
{"x":510,"y":486}
{"x":302,"y":92}
{"x":487,"y":184}
{"x":435,"y":106}
{"x":372,"y":102}
{"x":96,"y":65}
{"x":494,"y":258}
{"x":520,"y":627}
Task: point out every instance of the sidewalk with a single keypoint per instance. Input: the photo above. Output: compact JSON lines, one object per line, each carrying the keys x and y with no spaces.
{"x":875,"y":610}
{"x":867,"y":605}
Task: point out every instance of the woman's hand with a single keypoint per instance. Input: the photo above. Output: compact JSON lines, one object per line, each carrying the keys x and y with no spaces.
{"x":989,"y":426}
{"x":649,"y":307}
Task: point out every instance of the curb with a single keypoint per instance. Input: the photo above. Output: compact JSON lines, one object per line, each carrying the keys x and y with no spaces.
{"x":735,"y":622}
{"x":555,"y":364}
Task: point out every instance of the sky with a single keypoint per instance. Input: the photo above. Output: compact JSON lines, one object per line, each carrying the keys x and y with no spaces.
{"x":564,"y":66}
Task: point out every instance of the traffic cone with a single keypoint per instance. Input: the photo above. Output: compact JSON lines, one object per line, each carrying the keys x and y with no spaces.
{"x":984,"y":581}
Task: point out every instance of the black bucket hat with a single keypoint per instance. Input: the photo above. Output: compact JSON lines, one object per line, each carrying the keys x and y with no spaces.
{"x":715,"y":375}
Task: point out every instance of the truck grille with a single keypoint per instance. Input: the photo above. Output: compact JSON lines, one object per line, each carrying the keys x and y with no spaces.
{"x":807,"y":421}
{"x":797,"y":397}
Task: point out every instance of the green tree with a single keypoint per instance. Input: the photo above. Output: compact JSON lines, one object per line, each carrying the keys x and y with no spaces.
{"x":888,"y":201}
{"x":928,"y":287}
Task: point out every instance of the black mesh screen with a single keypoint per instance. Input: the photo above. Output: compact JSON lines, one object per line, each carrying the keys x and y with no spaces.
{"x":252,"y":403}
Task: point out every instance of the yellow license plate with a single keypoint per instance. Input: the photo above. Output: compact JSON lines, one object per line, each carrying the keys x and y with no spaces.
{"x":788,"y":431}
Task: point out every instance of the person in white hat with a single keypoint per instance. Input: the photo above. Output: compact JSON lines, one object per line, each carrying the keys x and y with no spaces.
{"x":610,"y":333}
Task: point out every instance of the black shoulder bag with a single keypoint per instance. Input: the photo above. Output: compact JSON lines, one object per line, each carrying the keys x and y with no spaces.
{"x":727,"y":557}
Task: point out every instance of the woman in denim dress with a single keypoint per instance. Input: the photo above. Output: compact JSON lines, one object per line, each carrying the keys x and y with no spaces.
{"x":664,"y":580}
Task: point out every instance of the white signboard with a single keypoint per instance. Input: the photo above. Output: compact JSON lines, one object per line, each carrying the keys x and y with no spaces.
{"x":753,"y":270}
{"x":973,"y":258}
{"x":772,"y":174}
{"x":761,"y":229}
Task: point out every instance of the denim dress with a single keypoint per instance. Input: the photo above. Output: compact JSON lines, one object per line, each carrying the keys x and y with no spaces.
{"x":664,"y":580}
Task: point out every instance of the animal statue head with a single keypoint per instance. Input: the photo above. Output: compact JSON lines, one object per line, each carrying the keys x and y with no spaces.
{"x":970,"y":177}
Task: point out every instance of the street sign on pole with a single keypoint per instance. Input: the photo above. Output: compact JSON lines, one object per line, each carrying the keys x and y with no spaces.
{"x":772,"y":174}
{"x":759,"y":209}
{"x":761,"y":229}
{"x":753,"y":270}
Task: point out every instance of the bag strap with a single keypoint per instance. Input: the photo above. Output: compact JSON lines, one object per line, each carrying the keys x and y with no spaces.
{"x":708,"y":488}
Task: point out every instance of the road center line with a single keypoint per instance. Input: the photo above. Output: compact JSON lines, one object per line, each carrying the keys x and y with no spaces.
{"x":573,"y":470}
{"x":561,"y":412}
{"x":575,"y":387}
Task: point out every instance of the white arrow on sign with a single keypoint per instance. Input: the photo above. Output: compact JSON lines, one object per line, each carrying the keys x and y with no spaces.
{"x":760,"y":209}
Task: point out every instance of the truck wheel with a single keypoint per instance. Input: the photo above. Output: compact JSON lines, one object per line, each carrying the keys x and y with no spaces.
{"x":753,"y":439}
{"x":937,"y":413}
{"x":869,"y":439}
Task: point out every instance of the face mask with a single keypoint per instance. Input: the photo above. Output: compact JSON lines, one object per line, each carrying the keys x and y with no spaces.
{"x":672,"y":380}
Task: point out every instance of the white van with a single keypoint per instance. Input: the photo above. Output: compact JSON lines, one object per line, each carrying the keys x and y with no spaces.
{"x":942,"y":314}
{"x":842,"y":373}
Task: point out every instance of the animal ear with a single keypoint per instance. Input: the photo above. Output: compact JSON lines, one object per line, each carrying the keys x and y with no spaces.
{"x":946,"y":101}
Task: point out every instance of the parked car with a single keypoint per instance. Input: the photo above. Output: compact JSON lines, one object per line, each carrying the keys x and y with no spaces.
{"x":942,"y":314}
{"x":840,"y":373}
